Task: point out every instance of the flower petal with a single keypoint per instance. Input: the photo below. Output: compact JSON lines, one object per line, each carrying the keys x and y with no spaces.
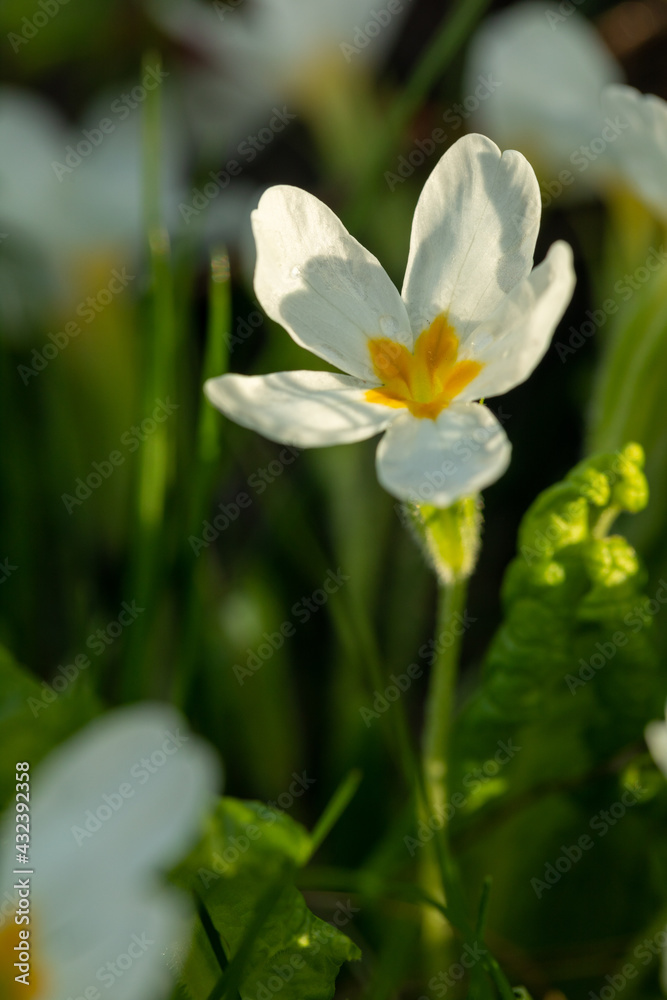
{"x":112,"y":808}
{"x":142,"y":926}
{"x":440,"y":461}
{"x":537,"y":76}
{"x":305,"y":409}
{"x":140,"y":833}
{"x":473,"y":234}
{"x":656,"y":739}
{"x":317,"y":281}
{"x":640,"y":152}
{"x":512,"y":342}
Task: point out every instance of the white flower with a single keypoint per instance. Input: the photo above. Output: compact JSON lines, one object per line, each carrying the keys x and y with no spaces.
{"x":71,"y":199}
{"x":261,"y":53}
{"x":656,"y":739}
{"x":473,"y":321}
{"x":640,"y":155}
{"x":548,"y":70}
{"x":110,"y":810}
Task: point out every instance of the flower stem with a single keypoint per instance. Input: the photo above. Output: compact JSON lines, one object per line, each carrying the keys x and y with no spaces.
{"x":439,"y":702}
{"x":147,"y":565}
{"x":207,"y":452}
{"x":435,"y":752}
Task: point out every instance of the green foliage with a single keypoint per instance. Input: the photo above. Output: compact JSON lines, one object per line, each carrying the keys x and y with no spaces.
{"x":34,"y":717}
{"x":243,"y":875}
{"x":569,"y":682}
{"x":576,"y":636}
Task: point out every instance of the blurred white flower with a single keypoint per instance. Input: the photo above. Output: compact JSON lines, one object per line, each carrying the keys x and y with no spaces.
{"x":71,"y":198}
{"x":110,"y":811}
{"x":656,"y":739}
{"x":550,"y":69}
{"x":640,"y":155}
{"x":473,"y":320}
{"x":265,"y":52}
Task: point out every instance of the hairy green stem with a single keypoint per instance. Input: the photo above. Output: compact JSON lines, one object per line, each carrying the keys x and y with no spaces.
{"x":440,"y":699}
{"x":436,"y":865}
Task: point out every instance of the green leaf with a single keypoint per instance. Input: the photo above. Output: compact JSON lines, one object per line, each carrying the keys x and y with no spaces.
{"x":549,"y":739}
{"x":34,"y":717}
{"x":576,"y":637}
{"x":244,"y":869}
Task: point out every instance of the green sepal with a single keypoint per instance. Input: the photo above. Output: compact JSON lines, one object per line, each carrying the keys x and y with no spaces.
{"x":449,"y":537}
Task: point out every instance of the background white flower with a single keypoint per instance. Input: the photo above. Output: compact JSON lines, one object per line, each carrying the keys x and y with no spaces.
{"x":73,"y":215}
{"x":111,"y":810}
{"x":640,"y":155}
{"x":257,"y":54}
{"x":550,"y":70}
{"x":656,"y":739}
{"x":472,"y":321}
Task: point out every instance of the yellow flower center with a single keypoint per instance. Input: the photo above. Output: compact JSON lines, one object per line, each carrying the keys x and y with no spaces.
{"x":426,"y":380}
{"x":13,"y":950}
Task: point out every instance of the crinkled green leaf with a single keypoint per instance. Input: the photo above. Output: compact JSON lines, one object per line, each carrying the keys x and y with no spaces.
{"x":550,"y":737}
{"x":575,"y":641}
{"x":248,"y":850}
